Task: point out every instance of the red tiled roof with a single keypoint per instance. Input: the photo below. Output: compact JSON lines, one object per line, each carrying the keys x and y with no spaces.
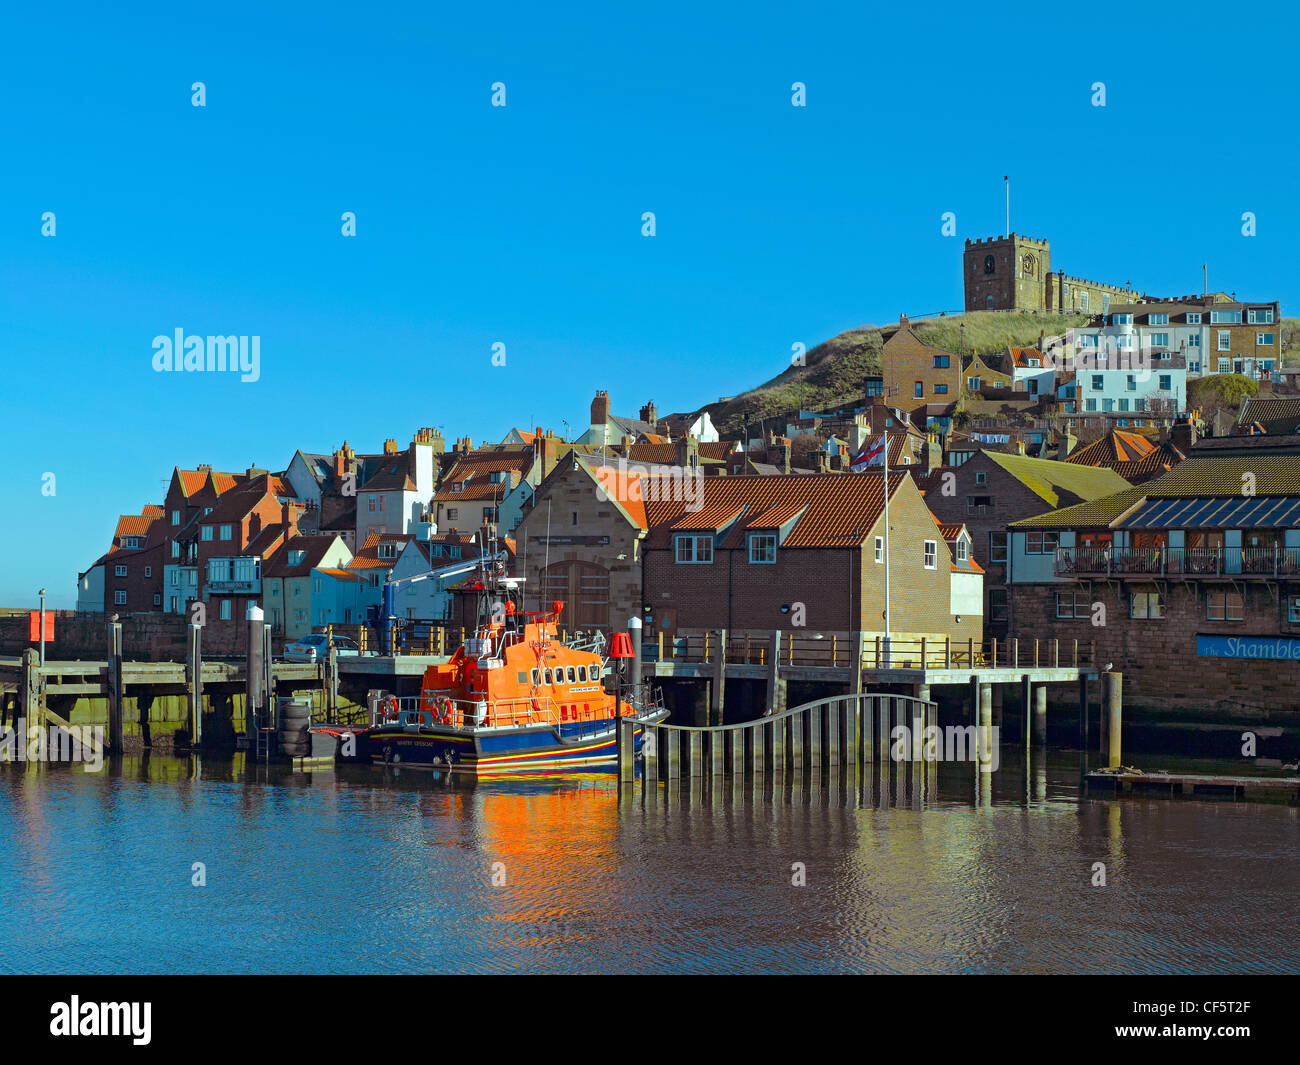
{"x":839,"y":509}
{"x":367,"y":556}
{"x":136,"y":524}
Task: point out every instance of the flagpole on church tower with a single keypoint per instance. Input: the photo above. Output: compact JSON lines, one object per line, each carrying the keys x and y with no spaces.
{"x":1006,"y":180}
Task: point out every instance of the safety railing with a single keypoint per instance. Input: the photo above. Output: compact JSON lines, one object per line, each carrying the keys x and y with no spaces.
{"x":1266,"y":562}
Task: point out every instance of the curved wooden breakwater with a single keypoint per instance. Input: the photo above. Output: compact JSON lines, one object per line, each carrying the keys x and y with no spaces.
{"x":844,"y":734}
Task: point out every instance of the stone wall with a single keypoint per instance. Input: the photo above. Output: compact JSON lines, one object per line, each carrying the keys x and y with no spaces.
{"x":145,"y":637}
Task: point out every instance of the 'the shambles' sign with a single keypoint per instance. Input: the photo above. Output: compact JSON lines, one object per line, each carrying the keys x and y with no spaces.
{"x":1286,"y":647}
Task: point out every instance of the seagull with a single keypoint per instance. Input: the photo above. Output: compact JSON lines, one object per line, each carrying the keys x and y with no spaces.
{"x":1109,"y":666}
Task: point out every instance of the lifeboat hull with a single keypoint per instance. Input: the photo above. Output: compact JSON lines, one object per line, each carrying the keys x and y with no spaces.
{"x":509,"y":750}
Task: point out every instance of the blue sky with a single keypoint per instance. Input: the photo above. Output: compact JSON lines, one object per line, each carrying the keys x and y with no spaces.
{"x":522,"y":225}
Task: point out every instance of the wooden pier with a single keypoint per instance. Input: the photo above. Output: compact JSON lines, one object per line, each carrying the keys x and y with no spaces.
{"x":1197,"y":785}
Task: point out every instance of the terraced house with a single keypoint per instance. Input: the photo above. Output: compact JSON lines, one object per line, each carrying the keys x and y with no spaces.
{"x":1189,"y":583}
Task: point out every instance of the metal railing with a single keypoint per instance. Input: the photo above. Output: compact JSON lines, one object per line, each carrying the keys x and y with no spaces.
{"x":837,"y":650}
{"x":1267,"y":562}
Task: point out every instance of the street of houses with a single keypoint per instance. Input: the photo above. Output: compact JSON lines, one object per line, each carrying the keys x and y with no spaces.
{"x":1064,"y":491}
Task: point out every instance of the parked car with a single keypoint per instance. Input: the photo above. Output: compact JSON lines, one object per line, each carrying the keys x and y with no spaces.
{"x":315,"y":646}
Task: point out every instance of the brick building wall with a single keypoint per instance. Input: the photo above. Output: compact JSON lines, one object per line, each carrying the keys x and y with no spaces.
{"x":583,"y":529}
{"x":905,"y":360}
{"x":1162,"y":672}
{"x":841,"y":590}
{"x":1008,"y":500}
{"x":140,"y":588}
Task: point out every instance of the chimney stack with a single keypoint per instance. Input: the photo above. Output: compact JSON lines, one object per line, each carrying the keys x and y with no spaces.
{"x":686,"y":452}
{"x":600,"y":408}
{"x":1065,"y":444}
{"x":390,"y":447}
{"x":1183,"y":435}
{"x":649,"y":414}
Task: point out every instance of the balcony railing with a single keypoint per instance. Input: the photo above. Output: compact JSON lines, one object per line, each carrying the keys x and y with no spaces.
{"x":1260,"y":562}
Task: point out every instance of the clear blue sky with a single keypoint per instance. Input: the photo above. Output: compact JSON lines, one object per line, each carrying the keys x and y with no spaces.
{"x":522,"y":225}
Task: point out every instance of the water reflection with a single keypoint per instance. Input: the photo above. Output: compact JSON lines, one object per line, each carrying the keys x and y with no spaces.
{"x":902,"y":868}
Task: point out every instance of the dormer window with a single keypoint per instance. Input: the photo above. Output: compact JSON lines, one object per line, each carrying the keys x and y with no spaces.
{"x":296,"y":556}
{"x":388,"y":550}
{"x":130,"y":541}
{"x":762,"y":547}
{"x":963,"y":550}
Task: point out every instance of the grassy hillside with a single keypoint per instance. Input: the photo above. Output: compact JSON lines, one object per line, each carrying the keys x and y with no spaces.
{"x":836,"y":368}
{"x":1290,"y":339}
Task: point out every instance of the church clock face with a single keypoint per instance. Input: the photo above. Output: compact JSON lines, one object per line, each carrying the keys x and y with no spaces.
{"x":988,"y":264}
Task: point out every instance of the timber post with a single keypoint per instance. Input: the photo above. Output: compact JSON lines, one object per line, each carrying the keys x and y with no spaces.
{"x":113,"y":687}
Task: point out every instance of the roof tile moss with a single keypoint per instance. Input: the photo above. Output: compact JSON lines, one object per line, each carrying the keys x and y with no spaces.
{"x":1052,"y":480}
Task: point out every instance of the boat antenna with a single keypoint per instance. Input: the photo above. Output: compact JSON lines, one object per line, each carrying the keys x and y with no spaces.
{"x":546,"y":564}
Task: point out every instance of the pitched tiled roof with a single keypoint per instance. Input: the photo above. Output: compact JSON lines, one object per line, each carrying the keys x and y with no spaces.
{"x":136,"y":524}
{"x":392,"y":475}
{"x":838,"y":509}
{"x":1276,"y":415}
{"x":367,"y":556}
{"x":1133,"y":456}
{"x":665,"y":454}
{"x":1059,"y":483}
{"x":1021,"y":357}
{"x":315,"y":547}
{"x":1214,"y":476}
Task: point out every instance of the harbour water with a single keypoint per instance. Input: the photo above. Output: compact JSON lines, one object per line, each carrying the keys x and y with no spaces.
{"x":380,"y":871}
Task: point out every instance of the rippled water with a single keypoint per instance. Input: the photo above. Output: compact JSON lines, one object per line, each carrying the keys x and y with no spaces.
{"x":371,"y":871}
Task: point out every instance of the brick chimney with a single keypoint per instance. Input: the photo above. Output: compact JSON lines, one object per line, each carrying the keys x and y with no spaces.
{"x":625,"y":446}
{"x":649,"y":414}
{"x":390,"y":447}
{"x":343,"y":461}
{"x":600,"y":408}
{"x":1065,"y":444}
{"x":1183,"y":435}
{"x":823,"y":464}
{"x":686,"y":452}
{"x":783,"y":453}
{"x":902,"y":321}
{"x":1164,"y":431}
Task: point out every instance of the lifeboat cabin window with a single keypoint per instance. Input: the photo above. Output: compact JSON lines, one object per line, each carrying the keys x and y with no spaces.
{"x":582,"y":673}
{"x":547,"y":675}
{"x":572,"y":676}
{"x":534,"y":678}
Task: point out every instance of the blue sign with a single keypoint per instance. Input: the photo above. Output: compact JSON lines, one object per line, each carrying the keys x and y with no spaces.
{"x":1274,"y":647}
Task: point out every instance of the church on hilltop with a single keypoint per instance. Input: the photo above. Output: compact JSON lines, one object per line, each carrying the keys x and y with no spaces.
{"x":1014,"y":273}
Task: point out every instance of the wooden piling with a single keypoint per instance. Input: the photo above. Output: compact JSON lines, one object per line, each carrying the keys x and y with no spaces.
{"x":626,"y":743}
{"x":113,"y":687}
{"x":194,"y":681}
{"x":985,"y":731}
{"x":650,"y":755}
{"x":673,"y":762}
{"x":776,"y":746}
{"x":696,"y":748}
{"x":719,"y":679}
{"x":737,"y":754}
{"x":816,"y":736}
{"x":834,"y":751}
{"x":1112,"y":696}
{"x":757,"y":747}
{"x":796,"y":742}
{"x":1040,"y":715}
{"x":717,"y":754}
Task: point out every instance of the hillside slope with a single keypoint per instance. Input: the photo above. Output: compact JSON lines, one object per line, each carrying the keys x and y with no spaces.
{"x":836,"y":368}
